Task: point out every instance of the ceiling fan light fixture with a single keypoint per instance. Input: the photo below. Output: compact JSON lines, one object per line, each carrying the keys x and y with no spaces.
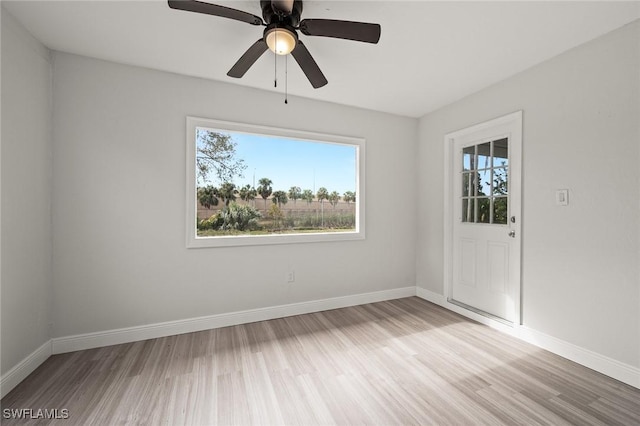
{"x":281,"y":41}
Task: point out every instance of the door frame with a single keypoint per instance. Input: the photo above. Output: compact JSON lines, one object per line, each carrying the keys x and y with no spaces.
{"x":515,"y":179}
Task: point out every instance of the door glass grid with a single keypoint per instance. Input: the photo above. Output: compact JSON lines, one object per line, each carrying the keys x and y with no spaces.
{"x":485,"y":182}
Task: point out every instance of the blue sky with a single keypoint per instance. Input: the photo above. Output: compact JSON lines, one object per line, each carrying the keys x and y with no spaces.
{"x":290,"y":163}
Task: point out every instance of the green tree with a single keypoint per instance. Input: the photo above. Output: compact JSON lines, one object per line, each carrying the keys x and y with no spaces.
{"x":295,"y":193}
{"x":265,"y":189}
{"x":244,"y":192}
{"x":349,"y":197}
{"x":334,"y":197}
{"x":307,"y":195}
{"x":322,"y":195}
{"x":216,"y":153}
{"x":247,"y":193}
{"x":208,"y":196}
{"x":279,"y":198}
{"x":227,"y":192}
{"x":500,"y":181}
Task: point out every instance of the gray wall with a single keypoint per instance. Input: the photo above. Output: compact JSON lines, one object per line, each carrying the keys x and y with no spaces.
{"x":580,"y":274}
{"x":119,"y":148}
{"x":26,"y":194}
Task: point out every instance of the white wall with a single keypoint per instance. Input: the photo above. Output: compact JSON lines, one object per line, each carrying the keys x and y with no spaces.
{"x":26,"y":193}
{"x":119,"y":153}
{"x":580,"y":276}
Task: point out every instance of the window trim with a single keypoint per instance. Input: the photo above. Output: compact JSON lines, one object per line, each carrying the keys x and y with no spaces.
{"x":193,"y":241}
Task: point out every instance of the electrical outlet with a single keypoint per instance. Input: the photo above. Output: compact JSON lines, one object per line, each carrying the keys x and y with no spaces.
{"x":291,"y":277}
{"x":562,"y":197}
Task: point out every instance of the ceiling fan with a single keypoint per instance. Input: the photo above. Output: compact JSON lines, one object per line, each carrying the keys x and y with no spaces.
{"x":282,"y":20}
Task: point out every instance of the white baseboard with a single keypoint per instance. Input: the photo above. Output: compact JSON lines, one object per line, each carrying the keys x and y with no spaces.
{"x":600,"y":363}
{"x":170,"y":328}
{"x":610,"y":367}
{"x":25,"y":367}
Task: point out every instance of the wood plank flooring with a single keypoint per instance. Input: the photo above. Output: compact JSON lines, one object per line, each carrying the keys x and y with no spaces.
{"x":405,"y":362}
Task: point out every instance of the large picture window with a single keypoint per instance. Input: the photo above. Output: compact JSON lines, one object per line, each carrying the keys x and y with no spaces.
{"x":249,"y":185}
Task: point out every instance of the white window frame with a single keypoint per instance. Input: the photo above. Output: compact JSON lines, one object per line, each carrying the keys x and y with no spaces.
{"x":193,"y":241}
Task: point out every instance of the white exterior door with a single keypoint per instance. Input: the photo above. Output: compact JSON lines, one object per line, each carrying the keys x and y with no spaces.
{"x":485,"y":204}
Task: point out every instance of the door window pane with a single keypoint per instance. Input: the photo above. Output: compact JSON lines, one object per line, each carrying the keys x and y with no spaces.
{"x":484,"y":210}
{"x":501,"y":153}
{"x":484,"y":155}
{"x":500,"y":210}
{"x":500,"y":181}
{"x":484,"y":187}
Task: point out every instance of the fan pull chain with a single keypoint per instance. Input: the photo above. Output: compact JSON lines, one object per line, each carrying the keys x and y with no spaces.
{"x":275,"y":63}
{"x":286,"y":79}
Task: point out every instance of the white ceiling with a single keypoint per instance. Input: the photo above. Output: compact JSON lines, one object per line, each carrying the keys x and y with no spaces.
{"x":430,"y":53}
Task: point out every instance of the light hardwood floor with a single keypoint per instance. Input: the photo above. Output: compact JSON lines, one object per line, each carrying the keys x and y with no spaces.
{"x":405,"y":361}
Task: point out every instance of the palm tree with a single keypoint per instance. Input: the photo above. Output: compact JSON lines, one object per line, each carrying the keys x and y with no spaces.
{"x":265,"y":189}
{"x":322,"y":195}
{"x":295,"y":193}
{"x":279,"y":198}
{"x":307,"y":195}
{"x":243,"y":192}
{"x":227,"y":192}
{"x":334,"y":197}
{"x":208,"y":196}
{"x":349,"y":196}
{"x":252,"y":196}
{"x":247,"y":193}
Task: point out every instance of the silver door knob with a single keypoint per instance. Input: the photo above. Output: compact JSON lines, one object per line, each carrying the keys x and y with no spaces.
{"x":512,"y":234}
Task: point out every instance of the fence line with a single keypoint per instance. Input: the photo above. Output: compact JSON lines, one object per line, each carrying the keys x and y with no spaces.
{"x":290,"y":209}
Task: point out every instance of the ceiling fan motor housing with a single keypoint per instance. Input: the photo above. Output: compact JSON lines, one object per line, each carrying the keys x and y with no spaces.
{"x":272,"y":14}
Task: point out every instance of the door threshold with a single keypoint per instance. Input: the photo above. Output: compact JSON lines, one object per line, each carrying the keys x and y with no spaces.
{"x":480,"y":312}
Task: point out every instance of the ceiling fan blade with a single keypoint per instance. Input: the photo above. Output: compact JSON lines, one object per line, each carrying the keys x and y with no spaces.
{"x":308,"y":65}
{"x":247,"y":59}
{"x":358,"y":31}
{"x":215,"y":10}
